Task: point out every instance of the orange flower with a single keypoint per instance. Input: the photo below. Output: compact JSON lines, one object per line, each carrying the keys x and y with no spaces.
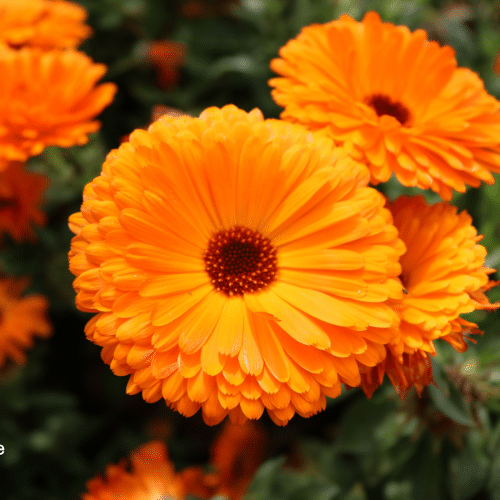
{"x":395,"y":100}
{"x":235,"y":265}
{"x":444,"y":276}
{"x":48,"y":99}
{"x":167,"y":57}
{"x":152,"y":477}
{"x":21,"y":319}
{"x":237,"y":453}
{"x":42,"y":23}
{"x":21,"y":195}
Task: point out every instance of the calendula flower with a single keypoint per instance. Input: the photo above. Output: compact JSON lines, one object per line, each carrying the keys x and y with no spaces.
{"x":236,"y":265}
{"x":395,"y":100}
{"x":46,"y":24}
{"x":152,"y":476}
{"x":21,"y":196}
{"x":236,"y":454}
{"x":444,"y":276}
{"x":48,"y":98}
{"x":167,"y":56}
{"x":21,"y":319}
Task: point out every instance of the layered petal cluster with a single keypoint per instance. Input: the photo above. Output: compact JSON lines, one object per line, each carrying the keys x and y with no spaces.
{"x":21,"y":319}
{"x":152,"y":477}
{"x":236,"y":264}
{"x":48,"y":98}
{"x":395,"y":100}
{"x":45,"y":24}
{"x":21,"y":197}
{"x":444,"y":276}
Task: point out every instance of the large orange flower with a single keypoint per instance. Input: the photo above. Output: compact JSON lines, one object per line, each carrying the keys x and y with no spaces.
{"x":21,"y":196}
{"x":444,"y":276}
{"x":235,"y":265}
{"x":21,"y":319}
{"x":152,"y":478}
{"x":48,"y":99}
{"x":395,"y":100}
{"x":42,"y":23}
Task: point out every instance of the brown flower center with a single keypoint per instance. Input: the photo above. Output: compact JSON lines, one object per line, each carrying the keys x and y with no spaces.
{"x":240,"y":260}
{"x":384,"y":105}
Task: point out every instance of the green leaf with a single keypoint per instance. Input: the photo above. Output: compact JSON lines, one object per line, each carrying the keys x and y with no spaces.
{"x":468,"y":470}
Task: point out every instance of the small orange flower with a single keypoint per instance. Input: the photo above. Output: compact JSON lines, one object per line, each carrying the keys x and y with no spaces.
{"x":394,"y":100}
{"x":21,"y":319}
{"x":46,"y":24}
{"x":21,"y":195}
{"x":48,"y":99}
{"x":167,"y":57}
{"x":152,"y":476}
{"x":444,"y":276}
{"x":237,"y":453}
{"x":236,"y":265}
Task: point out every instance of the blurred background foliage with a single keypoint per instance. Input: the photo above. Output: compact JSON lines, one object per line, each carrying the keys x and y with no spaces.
{"x":64,"y":415}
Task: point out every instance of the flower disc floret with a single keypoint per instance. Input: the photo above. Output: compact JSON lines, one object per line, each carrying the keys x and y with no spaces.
{"x":235,"y":264}
{"x":395,"y":100}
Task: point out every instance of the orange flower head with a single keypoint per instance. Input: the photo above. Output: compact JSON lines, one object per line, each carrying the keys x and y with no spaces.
{"x":48,"y":98}
{"x":235,"y":264}
{"x":394,"y":100}
{"x":21,"y":195}
{"x":152,"y":477}
{"x":46,"y":24}
{"x":236,"y":454}
{"x":21,"y":319}
{"x":444,"y":276}
{"x":167,"y":56}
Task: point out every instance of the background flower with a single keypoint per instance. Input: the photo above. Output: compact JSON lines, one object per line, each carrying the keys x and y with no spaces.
{"x":21,"y":196}
{"x":444,"y":276}
{"x":152,"y":476}
{"x":21,"y":319}
{"x":45,"y":24}
{"x":48,"y":98}
{"x":394,"y":100}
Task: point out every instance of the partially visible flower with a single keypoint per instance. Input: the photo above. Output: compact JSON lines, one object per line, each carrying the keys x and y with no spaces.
{"x":394,"y":100}
{"x":152,"y":477}
{"x":21,"y":197}
{"x":46,"y":24}
{"x":236,"y":265}
{"x":236,"y":454}
{"x":48,"y":98}
{"x":444,"y":276}
{"x":21,"y":319}
{"x":201,"y":8}
{"x":167,"y":57}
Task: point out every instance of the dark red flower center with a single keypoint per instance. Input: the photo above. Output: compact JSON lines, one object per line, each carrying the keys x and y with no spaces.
{"x":240,"y":260}
{"x":384,"y":105}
